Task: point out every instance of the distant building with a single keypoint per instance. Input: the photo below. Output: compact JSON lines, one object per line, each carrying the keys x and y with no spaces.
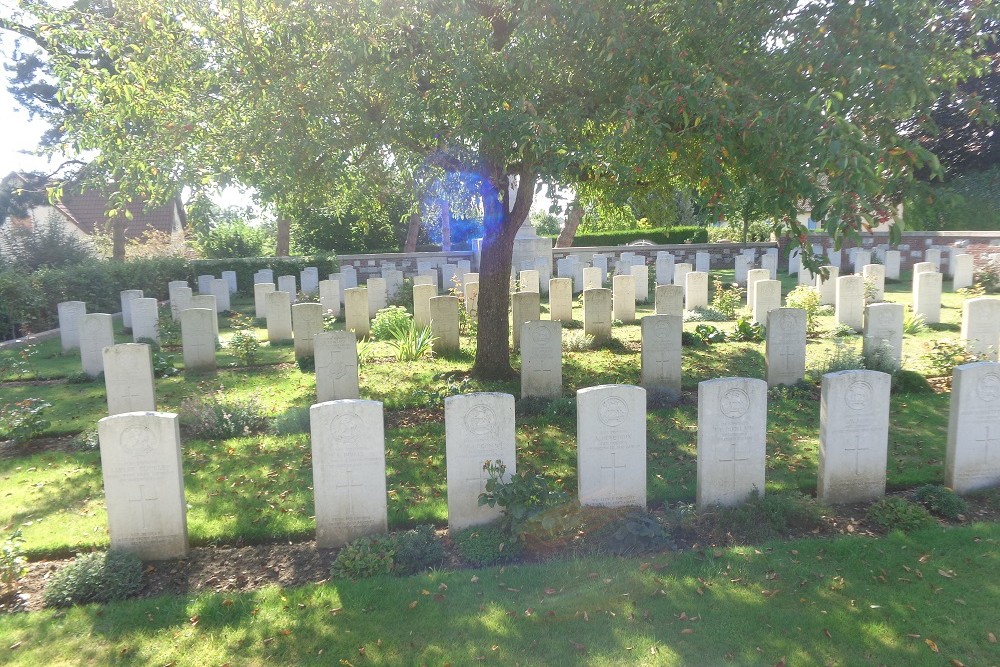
{"x":81,"y":214}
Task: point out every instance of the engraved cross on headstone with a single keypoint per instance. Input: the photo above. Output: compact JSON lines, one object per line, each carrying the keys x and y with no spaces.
{"x":350,"y":485}
{"x":987,"y":441}
{"x":786,"y":354}
{"x":614,"y":474}
{"x":734,"y":458}
{"x":480,"y":481}
{"x":142,"y":500}
{"x":857,"y":449}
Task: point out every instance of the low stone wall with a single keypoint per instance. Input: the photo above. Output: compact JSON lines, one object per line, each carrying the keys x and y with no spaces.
{"x":722,"y":254}
{"x":914,"y":244}
{"x":371,"y":265}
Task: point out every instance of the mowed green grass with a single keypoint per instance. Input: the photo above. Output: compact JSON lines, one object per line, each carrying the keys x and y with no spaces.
{"x":924,"y":599}
{"x":258,"y":488}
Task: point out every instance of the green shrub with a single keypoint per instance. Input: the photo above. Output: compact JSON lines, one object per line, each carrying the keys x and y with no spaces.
{"x":843,"y":357}
{"x":895,"y":513}
{"x":86,"y":441}
{"x":170,"y":330}
{"x":12,"y":564}
{"x":747,"y":332}
{"x":365,"y":557}
{"x":882,"y":358}
{"x":658,"y":235}
{"x":708,"y":334}
{"x":95,"y":577}
{"x":913,"y":324}
{"x":217,"y":417}
{"x":410,"y":341}
{"x":941,"y":501}
{"x":704,"y":315}
{"x":806,"y":298}
{"x":244,"y":344}
{"x":988,"y":275}
{"x":636,"y":532}
{"x":943,"y":355}
{"x":843,"y":331}
{"x":727,"y":299}
{"x":910,"y":382}
{"x":522,"y":498}
{"x":419,"y":549}
{"x":292,"y":421}
{"x":236,"y":238}
{"x":23,"y":420}
{"x":388,"y":321}
{"x":578,"y":341}
{"x":486,"y":545}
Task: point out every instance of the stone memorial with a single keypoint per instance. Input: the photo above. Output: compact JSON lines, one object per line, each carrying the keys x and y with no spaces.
{"x":70,"y":313}
{"x":524,"y":307}
{"x":128,"y":378}
{"x":962,"y":267}
{"x":640,"y":272}
{"x":309,"y":279}
{"x":561,"y":299}
{"x":278,"y":309}
{"x":623,"y":300}
{"x":927,"y":296}
{"x":891,"y":262}
{"x":96,"y":333}
{"x":599,"y":262}
{"x":785,"y":346}
{"x":260,"y":292}
{"x":287,"y":285}
{"x":307,"y":321}
{"x":329,"y":296}
{"x":661,"y":355}
{"x":144,"y":483}
{"x":874,"y":274}
{"x":230,"y":278}
{"x":972,"y":457}
{"x":422,"y":295}
{"x":180,"y":300}
{"x":741,"y":265}
{"x":378,"y":296}
{"x":592,"y":278}
{"x":702,"y":261}
{"x":981,"y":326}
{"x":444,"y":323}
{"x":850,"y":302}
{"x":145,"y":320}
{"x":597,"y":314}
{"x":173,"y":297}
{"x":528,"y":281}
{"x":933,"y":256}
{"x":669,"y":300}
{"x":806,"y":277}
{"x":198,"y":339}
{"x":696,"y":290}
{"x":827,"y":287}
{"x":356,"y":311}
{"x":127,"y":297}
{"x":883,"y":329}
{"x":664,"y":268}
{"x":207,"y":301}
{"x":753,"y":277}
{"x":853,"y":436}
{"x":611,"y":445}
{"x":681,"y":269}
{"x":479,"y":427}
{"x":541,"y":359}
{"x":769,"y":263}
{"x":732,"y":433}
{"x":393,"y":284}
{"x":449,"y":277}
{"x":350,"y":276}
{"x":862,"y":258}
{"x":336,"y":357}
{"x":348,"y":463}
{"x":205,"y":284}
{"x":266,"y":275}
{"x":766,"y":297}
{"x":220,"y":290}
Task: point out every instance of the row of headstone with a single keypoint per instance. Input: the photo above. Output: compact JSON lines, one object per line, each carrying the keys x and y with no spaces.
{"x":144,"y":487}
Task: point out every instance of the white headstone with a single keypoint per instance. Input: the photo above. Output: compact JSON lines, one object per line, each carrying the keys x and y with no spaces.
{"x":278,"y":308}
{"x":449,"y":277}
{"x":972,"y":458}
{"x":874,"y":274}
{"x":220,"y":290}
{"x":669,"y":300}
{"x":445,"y":323}
{"x":933,"y":255}
{"x":205,"y":284}
{"x":478,"y":427}
{"x":266,"y":275}
{"x":794,"y":261}
{"x":421,"y":303}
{"x":599,"y":262}
{"x":853,"y":436}
{"x":471,"y":300}
{"x":356,"y":311}
{"x":128,"y":378}
{"x":664,"y":268}
{"x":806,"y":277}
{"x":769,"y":263}
{"x":695,"y":290}
{"x":828,"y":286}
{"x":785,"y":347}
{"x":144,"y":484}
{"x":835,"y":257}
{"x":145,"y":319}
{"x":127,"y":297}
{"x":70,"y":313}
{"x":962,"y":267}
{"x":891,"y":263}
{"x":198,"y":339}
{"x":350,"y":275}
{"x":287,"y":284}
{"x":661,"y":354}
{"x":592,"y":278}
{"x":981,"y":326}
{"x":741,"y":265}
{"x":753,"y":277}
{"x":702,"y":261}
{"x":207,"y":301}
{"x":862,"y":258}
{"x":230,"y":278}
{"x":329,"y":296}
{"x":336,"y":356}
{"x":378,"y":296}
{"x":611,"y":445}
{"x":927,"y":296}
{"x":180,"y":297}
{"x":597,"y":313}
{"x":525,"y":307}
{"x":732,"y":431}
{"x":640,"y":272}
{"x":309,"y":279}
{"x":850,"y":302}
{"x":884,"y":329}
{"x":541,"y":359}
{"x":624,"y":298}
{"x":681,"y":269}
{"x":528,"y":280}
{"x":561,"y":299}
{"x":96,"y":333}
{"x":348,"y":462}
{"x":766,"y":297}
{"x":923,"y":267}
{"x":260,"y":292}
{"x":307,"y":321}
{"x":393,"y":284}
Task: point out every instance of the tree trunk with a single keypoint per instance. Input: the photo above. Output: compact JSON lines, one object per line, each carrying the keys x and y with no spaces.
{"x":500,"y":225}
{"x":573,"y":220}
{"x":412,"y":232}
{"x":284,"y":236}
{"x":118,"y":238}
{"x":445,"y":226}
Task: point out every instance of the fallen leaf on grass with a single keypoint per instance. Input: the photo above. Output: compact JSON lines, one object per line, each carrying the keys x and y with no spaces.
{"x":949,"y":574}
{"x":413,"y":604}
{"x":991,"y":637}
{"x":932,"y":646}
{"x":956,"y":663}
{"x":687,"y":631}
{"x":827,"y":633}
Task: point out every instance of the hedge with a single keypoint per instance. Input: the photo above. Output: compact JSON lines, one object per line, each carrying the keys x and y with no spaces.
{"x":28,"y":301}
{"x":659,"y":235}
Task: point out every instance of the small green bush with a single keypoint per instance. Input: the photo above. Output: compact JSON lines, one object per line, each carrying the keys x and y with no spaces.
{"x":941,"y":501}
{"x":895,"y":513}
{"x":486,"y":545}
{"x":95,"y":577}
{"x":292,"y":421}
{"x":708,"y":334}
{"x":843,"y":357}
{"x":419,"y":549}
{"x":410,"y":341}
{"x":747,"y":332}
{"x":727,"y":299}
{"x":843,"y":331}
{"x":882,"y":358}
{"x":913,"y":324}
{"x":806,"y":298}
{"x":578,"y":341}
{"x":12,"y":564}
{"x":388,"y":321}
{"x":988,"y":275}
{"x":661,"y":235}
{"x":943,"y":355}
{"x":522,"y":497}
{"x":170,"y":330}
{"x":23,"y":420}
{"x":705,"y":315}
{"x":910,"y":382}
{"x":217,"y":417}
{"x":636,"y":532}
{"x":365,"y":557}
